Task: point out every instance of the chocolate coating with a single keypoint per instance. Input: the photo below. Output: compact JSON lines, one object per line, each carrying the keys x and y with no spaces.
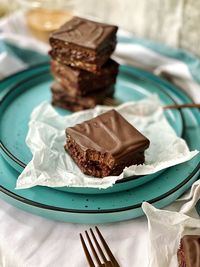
{"x":189,"y":251}
{"x":105,"y":145}
{"x":85,"y":33}
{"x":83,"y":44}
{"x":109,"y":133}
{"x":81,"y":57}
{"x":61,"y":98}
{"x":77,"y":82}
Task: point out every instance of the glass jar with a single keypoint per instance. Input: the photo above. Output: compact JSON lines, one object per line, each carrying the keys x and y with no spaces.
{"x":45,"y":16}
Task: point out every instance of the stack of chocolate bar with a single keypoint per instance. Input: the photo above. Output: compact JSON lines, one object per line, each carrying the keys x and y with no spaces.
{"x":84,"y":73}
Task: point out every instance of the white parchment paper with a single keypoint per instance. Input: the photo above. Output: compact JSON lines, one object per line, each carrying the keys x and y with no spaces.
{"x":165,"y":231}
{"x":52,"y":166}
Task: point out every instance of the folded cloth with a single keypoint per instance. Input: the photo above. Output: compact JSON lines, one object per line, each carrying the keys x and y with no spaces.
{"x":43,"y":243}
{"x":164,"y":226}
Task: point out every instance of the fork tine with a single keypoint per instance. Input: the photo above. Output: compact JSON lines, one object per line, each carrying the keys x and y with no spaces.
{"x":93,"y":249}
{"x":98,"y":246}
{"x":111,"y":256}
{"x":87,"y":254}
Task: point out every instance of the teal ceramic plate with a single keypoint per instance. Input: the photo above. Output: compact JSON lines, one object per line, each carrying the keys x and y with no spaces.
{"x":32,"y":87}
{"x":101,"y":208}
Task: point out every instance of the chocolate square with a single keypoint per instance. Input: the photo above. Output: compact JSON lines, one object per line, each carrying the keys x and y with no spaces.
{"x":105,"y":145}
{"x":76,"y":103}
{"x":83,"y":43}
{"x":78,"y":82}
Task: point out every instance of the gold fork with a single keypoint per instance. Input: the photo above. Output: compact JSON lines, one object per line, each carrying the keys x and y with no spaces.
{"x":112,"y":102}
{"x":102,"y":260}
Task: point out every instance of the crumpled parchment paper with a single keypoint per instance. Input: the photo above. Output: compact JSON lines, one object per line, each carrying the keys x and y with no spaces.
{"x":52,"y":166}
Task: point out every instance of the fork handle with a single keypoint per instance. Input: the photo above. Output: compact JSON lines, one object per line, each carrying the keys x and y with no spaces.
{"x":189,"y":105}
{"x":109,"y":264}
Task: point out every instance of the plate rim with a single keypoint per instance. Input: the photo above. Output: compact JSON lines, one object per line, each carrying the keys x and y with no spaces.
{"x":14,"y":87}
{"x":102,"y":211}
{"x":32,"y":67}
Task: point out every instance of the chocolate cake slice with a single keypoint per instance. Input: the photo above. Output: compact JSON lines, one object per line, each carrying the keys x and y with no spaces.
{"x":189,"y":251}
{"x":105,"y":145}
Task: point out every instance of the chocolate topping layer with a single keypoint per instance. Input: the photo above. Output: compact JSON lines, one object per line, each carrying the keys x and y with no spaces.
{"x":74,"y":74}
{"x":189,"y":251}
{"x":78,"y":82}
{"x":85,"y":33}
{"x":109,"y":133}
{"x":93,"y":98}
{"x":62,"y":99}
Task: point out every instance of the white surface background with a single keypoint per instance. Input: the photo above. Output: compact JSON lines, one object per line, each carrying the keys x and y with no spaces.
{"x":27,"y":240}
{"x":171,"y":22}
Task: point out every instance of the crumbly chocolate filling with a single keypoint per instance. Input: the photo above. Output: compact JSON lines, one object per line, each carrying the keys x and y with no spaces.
{"x":82,"y":59}
{"x":97,"y":164}
{"x":90,"y":162}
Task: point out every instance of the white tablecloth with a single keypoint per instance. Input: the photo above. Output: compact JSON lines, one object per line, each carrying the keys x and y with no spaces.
{"x":30,"y":241}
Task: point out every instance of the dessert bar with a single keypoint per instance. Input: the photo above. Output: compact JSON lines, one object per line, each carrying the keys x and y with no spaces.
{"x":78,"y":82}
{"x":61,"y":99}
{"x":105,"y":145}
{"x":83,"y":43}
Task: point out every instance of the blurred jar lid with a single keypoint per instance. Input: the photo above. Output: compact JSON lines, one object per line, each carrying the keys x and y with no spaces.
{"x":6,"y":7}
{"x":45,"y":16}
{"x":53,"y":4}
